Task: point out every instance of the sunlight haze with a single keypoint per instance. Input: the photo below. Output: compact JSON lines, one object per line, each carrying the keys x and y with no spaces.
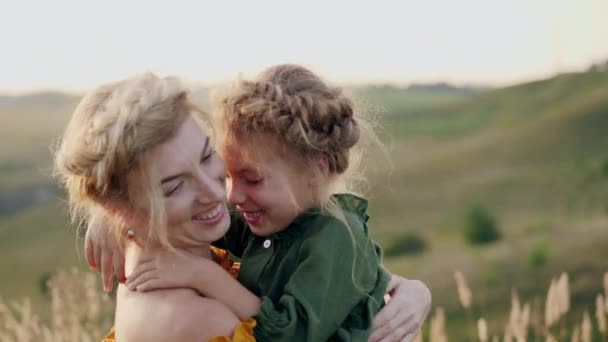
{"x":74,"y":45}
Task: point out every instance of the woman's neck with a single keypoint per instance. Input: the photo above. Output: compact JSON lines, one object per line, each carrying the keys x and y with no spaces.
{"x":135,"y":252}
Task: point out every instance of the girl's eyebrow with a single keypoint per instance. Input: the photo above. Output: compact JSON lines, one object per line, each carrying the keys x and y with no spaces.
{"x":172,"y":177}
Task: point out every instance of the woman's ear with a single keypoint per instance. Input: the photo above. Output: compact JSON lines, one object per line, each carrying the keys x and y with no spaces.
{"x":120,"y":209}
{"x":114,"y":207}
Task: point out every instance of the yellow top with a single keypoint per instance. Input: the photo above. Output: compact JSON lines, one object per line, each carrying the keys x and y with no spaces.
{"x":244,"y":331}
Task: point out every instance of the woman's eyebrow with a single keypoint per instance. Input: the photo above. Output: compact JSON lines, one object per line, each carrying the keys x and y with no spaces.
{"x":170,"y":178}
{"x":205,"y":147}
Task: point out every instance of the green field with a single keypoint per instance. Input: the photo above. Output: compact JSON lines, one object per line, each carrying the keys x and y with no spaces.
{"x":534,"y":155}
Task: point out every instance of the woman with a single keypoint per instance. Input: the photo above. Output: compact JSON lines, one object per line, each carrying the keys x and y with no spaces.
{"x":124,"y":137}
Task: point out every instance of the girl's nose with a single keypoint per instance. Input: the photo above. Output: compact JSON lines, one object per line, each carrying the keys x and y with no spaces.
{"x":235,"y":195}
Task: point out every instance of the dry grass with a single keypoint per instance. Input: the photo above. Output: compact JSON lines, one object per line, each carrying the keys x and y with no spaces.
{"x":80,"y":312}
{"x":555,"y":323}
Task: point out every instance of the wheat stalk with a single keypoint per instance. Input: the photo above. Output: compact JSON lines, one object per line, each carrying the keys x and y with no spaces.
{"x":464,"y":292}
{"x":437,"y":333}
{"x":482,"y":330}
{"x":599,"y":314}
{"x":586,"y":328}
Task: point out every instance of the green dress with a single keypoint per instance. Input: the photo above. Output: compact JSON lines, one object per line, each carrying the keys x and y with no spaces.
{"x":319,"y":279}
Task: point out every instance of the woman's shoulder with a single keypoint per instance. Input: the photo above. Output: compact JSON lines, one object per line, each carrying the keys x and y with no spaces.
{"x":142,"y":314}
{"x":172,"y":314}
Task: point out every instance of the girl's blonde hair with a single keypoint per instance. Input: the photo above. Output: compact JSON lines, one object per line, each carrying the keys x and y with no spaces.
{"x":108,"y":136}
{"x":305,"y":115}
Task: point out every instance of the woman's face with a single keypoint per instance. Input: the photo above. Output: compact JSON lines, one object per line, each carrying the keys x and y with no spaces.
{"x":191,"y":179}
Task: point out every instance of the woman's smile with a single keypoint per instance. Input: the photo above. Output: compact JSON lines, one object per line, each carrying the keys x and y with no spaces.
{"x":212,"y":216}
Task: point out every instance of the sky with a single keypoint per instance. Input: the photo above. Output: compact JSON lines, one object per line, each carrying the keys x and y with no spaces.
{"x":75,"y":45}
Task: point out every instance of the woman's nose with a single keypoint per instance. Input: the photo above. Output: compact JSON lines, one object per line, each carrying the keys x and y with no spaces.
{"x":210,"y":188}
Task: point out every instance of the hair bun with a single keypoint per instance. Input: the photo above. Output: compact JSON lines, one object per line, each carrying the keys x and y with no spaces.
{"x":294,"y":103}
{"x":349,"y":133}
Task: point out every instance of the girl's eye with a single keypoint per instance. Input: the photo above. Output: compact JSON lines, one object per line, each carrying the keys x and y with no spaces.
{"x":254,"y":181}
{"x":174,"y":189}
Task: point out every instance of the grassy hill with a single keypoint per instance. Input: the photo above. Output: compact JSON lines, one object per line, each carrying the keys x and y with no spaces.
{"x":533,"y":155}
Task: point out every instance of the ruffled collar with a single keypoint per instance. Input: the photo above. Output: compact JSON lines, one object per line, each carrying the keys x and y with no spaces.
{"x":348,"y":202}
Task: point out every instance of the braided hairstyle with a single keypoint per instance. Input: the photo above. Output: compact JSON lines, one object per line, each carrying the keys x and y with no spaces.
{"x":305,"y":117}
{"x":107,"y":137}
{"x":297,"y":107}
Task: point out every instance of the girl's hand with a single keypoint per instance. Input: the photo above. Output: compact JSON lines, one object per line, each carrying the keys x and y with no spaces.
{"x":166,"y":270}
{"x":403,"y":316}
{"x":103,"y":253}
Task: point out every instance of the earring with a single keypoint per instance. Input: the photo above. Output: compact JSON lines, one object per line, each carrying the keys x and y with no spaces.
{"x":130,"y":234}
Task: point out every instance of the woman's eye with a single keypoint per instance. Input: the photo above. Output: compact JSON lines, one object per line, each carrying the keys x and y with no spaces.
{"x":173,"y":189}
{"x":207,"y":156}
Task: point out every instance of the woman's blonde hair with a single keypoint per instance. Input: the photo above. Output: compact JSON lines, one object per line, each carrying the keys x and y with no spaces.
{"x":108,"y":136}
{"x":305,"y":115}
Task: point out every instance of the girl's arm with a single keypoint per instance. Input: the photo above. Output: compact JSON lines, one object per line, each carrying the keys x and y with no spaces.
{"x":322,"y":291}
{"x":214,"y":282}
{"x":103,"y":252}
{"x":180,"y":270}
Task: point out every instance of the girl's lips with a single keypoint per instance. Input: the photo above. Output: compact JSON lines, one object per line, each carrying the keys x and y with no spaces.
{"x":253,"y":217}
{"x":210,"y":217}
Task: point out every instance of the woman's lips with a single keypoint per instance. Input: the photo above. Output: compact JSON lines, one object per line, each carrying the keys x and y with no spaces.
{"x":212,"y":216}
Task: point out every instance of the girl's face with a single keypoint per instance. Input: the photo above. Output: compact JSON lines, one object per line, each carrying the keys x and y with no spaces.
{"x":192,"y":184}
{"x":270,"y":191}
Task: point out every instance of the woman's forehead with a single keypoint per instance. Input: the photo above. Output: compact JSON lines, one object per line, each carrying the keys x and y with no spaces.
{"x":183,"y":149}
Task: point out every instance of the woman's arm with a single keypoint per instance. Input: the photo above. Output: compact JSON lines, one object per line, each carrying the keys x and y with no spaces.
{"x":405,"y":313}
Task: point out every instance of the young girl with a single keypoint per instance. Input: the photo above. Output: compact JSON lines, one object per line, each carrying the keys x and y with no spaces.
{"x":311,"y":269}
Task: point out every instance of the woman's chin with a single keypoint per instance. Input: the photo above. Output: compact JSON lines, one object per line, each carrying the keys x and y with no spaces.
{"x":210,"y":233}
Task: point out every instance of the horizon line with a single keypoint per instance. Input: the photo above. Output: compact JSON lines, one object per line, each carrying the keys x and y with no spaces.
{"x":196,"y":84}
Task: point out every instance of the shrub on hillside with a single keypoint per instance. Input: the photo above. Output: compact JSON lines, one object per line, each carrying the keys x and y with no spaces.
{"x":538,"y":255}
{"x":480,"y":226}
{"x":604,"y":168}
{"x":408,"y":244}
